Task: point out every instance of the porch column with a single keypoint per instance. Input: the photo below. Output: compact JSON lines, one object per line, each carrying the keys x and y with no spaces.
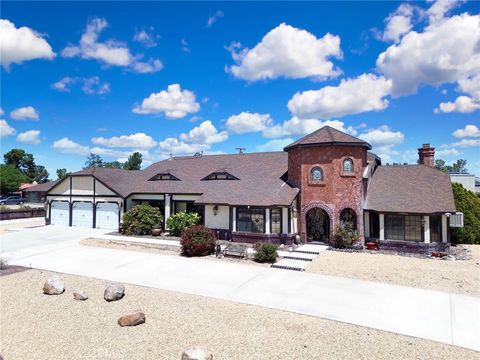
{"x":234,"y":219}
{"x":366,"y":224}
{"x":167,"y":209}
{"x":267,"y":221}
{"x":293,"y":221}
{"x":426,"y":229}
{"x":285,"y":220}
{"x":444,"y":229}
{"x":381,"y":218}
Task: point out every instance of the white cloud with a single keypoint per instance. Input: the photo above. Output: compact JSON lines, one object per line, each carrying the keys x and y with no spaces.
{"x":383,"y":141}
{"x":247,"y":122}
{"x":470,"y":86}
{"x":205,"y":133}
{"x":92,"y":85}
{"x":445,"y":52}
{"x":467,"y":131}
{"x":1,"y":112}
{"x":21,"y":44}
{"x":439,"y":9}
{"x":119,"y":154}
{"x":398,"y":23}
{"x":138,"y":141}
{"x":175,"y":147}
{"x":174,"y":102}
{"x":147,"y":67}
{"x":29,"y":137}
{"x":299,"y":127}
{"x":465,"y":143}
{"x":275,"y":145}
{"x":289,"y":52}
{"x":184,"y":44}
{"x":146,"y":38}
{"x":67,"y":146}
{"x":463,"y":104}
{"x":63,"y":85}
{"x":364,"y":93}
{"x":448,"y":152}
{"x":25,"y":113}
{"x":5,"y":129}
{"x":213,"y":18}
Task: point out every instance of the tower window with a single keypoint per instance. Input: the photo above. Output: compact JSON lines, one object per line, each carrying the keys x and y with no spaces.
{"x":347,"y":166}
{"x":316,"y":174}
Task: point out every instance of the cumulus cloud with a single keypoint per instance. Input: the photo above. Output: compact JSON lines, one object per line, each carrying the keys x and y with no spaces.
{"x":275,"y":145}
{"x":462,"y":104}
{"x":398,"y":23}
{"x":63,"y":84}
{"x":137,"y":141}
{"x":212,"y":19}
{"x":29,"y":137}
{"x":287,"y":52}
{"x":298,"y":127}
{"x":21,"y":44}
{"x":175,"y":147}
{"x":146,"y":38}
{"x":25,"y":113}
{"x":364,"y":93}
{"x":247,"y":122}
{"x":439,"y":9}
{"x":467,"y":131}
{"x":205,"y":133}
{"x":383,"y":141}
{"x":465,"y":143}
{"x":448,"y":152}
{"x":92,"y":85}
{"x":6,"y":130}
{"x":147,"y":67}
{"x":174,"y":102}
{"x":67,"y":146}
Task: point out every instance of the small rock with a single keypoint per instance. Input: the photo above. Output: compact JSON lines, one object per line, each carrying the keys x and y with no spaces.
{"x":133,"y":319}
{"x":114,"y":292}
{"x":53,"y":286}
{"x":80,"y":295}
{"x":197,"y":353}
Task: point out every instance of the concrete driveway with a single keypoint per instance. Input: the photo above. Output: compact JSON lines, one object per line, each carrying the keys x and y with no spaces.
{"x":439,"y":316}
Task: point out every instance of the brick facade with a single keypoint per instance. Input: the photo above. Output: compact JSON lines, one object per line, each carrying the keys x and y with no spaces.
{"x":337,"y":191}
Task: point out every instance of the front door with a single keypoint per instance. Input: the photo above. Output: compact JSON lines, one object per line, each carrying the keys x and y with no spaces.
{"x":318,"y":225}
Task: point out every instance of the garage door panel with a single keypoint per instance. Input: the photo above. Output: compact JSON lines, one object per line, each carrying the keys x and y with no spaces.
{"x":107,"y":216}
{"x":82,"y":214}
{"x":60,"y":213}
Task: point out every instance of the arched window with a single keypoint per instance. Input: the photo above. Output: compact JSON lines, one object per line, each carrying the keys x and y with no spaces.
{"x":347,"y":166}
{"x":316,"y":174}
{"x":348,"y":218}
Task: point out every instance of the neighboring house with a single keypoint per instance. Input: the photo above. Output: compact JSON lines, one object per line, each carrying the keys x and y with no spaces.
{"x":307,"y":190}
{"x":36,"y":193}
{"x":469,"y":181}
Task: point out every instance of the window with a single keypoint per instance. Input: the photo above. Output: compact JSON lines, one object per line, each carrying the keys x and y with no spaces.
{"x":316,"y":174}
{"x":403,"y":227}
{"x":276,"y":220}
{"x":436,"y":228}
{"x":164,"y":176}
{"x":251,"y":220}
{"x":220,"y":176}
{"x":347,"y":166}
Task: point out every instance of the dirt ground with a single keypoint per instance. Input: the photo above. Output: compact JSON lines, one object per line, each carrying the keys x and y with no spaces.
{"x":37,"y":326}
{"x":459,"y":276}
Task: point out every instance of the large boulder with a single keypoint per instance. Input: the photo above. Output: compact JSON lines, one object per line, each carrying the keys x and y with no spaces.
{"x":80,"y":295}
{"x":114,"y":292}
{"x":132,"y":319}
{"x":53,"y":286}
{"x":197,"y":353}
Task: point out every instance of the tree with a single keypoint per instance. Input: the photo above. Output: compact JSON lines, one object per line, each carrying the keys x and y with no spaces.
{"x":469,"y":204}
{"x":10,"y":178}
{"x":457,"y":167}
{"x":113,"y":164}
{"x":93,"y":160}
{"x":22,"y":161}
{"x":41,"y":174}
{"x":134,"y":161}
{"x":62,"y":173}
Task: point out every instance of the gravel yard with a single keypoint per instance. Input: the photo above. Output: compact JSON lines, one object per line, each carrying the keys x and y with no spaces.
{"x":459,"y":276}
{"x":37,"y":326}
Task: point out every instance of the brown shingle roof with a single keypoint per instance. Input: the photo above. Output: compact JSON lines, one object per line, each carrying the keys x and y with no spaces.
{"x":327,"y":135}
{"x":410,"y":189}
{"x":43,"y":187}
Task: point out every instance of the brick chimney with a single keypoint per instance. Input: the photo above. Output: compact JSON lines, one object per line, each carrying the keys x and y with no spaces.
{"x":426,"y":155}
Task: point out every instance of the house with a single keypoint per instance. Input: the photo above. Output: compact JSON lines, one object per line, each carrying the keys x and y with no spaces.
{"x":469,"y":181}
{"x":304,"y":192}
{"x":35,"y":193}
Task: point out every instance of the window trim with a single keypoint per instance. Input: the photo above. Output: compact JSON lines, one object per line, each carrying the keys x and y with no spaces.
{"x":216,"y":173}
{"x":158,"y":177}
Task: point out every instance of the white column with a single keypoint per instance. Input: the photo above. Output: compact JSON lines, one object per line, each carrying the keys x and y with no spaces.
{"x":426,"y":229}
{"x":293,"y":220}
{"x":234,"y":219}
{"x":444,"y":229}
{"x":382,"y":226}
{"x":267,"y":221}
{"x":285,"y":220}
{"x":167,"y":209}
{"x":366,"y":224}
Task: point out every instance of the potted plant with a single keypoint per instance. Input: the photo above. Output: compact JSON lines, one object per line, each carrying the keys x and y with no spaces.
{"x":157,"y":230}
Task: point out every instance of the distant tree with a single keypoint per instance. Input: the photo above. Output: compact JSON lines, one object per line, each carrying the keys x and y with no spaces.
{"x":10,"y":178}
{"x":134,"y":161}
{"x":469,"y":204}
{"x":113,"y":164}
{"x":22,"y":161}
{"x":41,"y":174}
{"x":62,"y":173}
{"x":396,"y":164}
{"x":93,"y":160}
{"x":457,"y":167}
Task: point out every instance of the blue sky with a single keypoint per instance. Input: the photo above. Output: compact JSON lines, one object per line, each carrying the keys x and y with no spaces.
{"x":184,"y":77}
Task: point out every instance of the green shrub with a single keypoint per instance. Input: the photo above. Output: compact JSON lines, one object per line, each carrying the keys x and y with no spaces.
{"x":345,"y":236}
{"x":180,"y":221}
{"x":197,"y":240}
{"x":469,"y":204}
{"x":265,"y":252}
{"x":140,"y":220}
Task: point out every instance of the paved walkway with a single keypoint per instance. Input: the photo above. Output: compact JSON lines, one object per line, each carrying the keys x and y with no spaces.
{"x":448,"y":318}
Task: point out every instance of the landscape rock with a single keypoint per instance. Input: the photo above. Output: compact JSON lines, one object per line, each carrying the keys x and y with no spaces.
{"x":80,"y":295}
{"x":114,"y":292}
{"x":53,"y":286}
{"x":133,"y":319}
{"x":197,"y":353}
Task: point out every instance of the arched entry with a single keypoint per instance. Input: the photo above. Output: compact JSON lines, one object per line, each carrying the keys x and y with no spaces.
{"x":348,"y":218}
{"x":318,"y":225}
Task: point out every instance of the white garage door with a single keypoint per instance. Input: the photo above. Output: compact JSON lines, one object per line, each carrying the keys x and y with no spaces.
{"x":107,"y":216}
{"x":82,"y":214}
{"x":60,"y":213}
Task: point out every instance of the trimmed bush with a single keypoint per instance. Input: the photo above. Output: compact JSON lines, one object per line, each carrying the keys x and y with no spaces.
{"x":197,"y":240}
{"x":178,"y":222}
{"x":345,"y":237}
{"x":140,"y":220}
{"x":468,"y":203}
{"x":265,"y":252}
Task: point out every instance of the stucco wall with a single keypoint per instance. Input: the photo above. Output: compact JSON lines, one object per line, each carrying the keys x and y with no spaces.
{"x":221,"y":220}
